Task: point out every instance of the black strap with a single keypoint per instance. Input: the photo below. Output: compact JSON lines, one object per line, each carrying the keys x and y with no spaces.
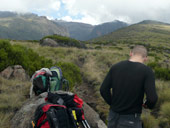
{"x":66,"y":85}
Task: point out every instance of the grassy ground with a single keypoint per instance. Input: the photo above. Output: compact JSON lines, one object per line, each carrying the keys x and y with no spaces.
{"x":13,"y":93}
{"x":94,"y":63}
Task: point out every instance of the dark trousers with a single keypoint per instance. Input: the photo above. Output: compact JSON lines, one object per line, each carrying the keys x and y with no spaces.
{"x":116,"y":120}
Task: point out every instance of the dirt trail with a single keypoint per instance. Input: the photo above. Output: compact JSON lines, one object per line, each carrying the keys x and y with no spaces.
{"x":87,"y":93}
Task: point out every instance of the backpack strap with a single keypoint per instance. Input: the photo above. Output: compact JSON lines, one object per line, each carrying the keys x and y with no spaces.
{"x":43,"y":122}
{"x":66,"y":85}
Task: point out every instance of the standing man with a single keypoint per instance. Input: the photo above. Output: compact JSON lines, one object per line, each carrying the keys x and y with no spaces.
{"x":124,"y":87}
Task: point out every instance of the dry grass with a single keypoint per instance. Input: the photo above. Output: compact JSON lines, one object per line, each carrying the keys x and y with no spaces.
{"x":12,"y":95}
{"x":94,"y":65}
{"x":150,"y":121}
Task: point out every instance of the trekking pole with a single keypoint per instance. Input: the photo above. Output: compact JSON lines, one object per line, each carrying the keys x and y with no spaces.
{"x":88,"y":126}
{"x":84,"y":125}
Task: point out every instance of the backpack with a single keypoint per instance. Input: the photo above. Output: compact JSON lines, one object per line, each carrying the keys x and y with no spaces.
{"x":60,"y":111}
{"x":48,"y":115}
{"x":73,"y":103}
{"x":46,"y":79}
{"x":57,"y":80}
{"x":40,"y":81}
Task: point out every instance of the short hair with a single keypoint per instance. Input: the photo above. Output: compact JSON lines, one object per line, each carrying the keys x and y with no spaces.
{"x":139,"y":50}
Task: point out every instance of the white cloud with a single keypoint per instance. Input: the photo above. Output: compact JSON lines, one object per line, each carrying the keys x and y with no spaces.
{"x":67,"y":18}
{"x":126,"y":10}
{"x":85,"y":19}
{"x":94,"y":11}
{"x":50,"y":18}
{"x":29,"y":5}
{"x":56,"y":5}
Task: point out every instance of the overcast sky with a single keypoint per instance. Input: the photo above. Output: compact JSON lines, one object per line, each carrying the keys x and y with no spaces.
{"x":93,"y":11}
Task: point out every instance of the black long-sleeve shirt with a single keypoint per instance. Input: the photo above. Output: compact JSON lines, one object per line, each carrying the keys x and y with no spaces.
{"x":124,"y":86}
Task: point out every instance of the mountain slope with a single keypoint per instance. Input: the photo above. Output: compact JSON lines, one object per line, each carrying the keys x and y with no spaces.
{"x":79,"y":31}
{"x":106,"y":28}
{"x":145,"y":31}
{"x":27,"y":26}
{"x":82,"y":31}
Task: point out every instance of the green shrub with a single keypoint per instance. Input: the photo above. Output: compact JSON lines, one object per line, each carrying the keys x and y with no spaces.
{"x":149,"y":121}
{"x":98,"y":47}
{"x":163,"y":123}
{"x":71,"y":72}
{"x":160,"y":72}
{"x":165,"y":111}
{"x":153,"y":65}
{"x":20,"y":55}
{"x":164,"y":96}
{"x":119,"y":48}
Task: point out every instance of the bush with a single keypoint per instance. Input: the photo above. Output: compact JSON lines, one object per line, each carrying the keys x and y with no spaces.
{"x":153,"y":65}
{"x":160,"y":72}
{"x":20,"y":55}
{"x":149,"y":121}
{"x":71,"y":72}
{"x":165,"y":112}
{"x":98,"y":47}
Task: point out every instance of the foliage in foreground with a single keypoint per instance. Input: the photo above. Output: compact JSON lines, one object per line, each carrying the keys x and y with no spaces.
{"x":71,"y":72}
{"x":160,"y":72}
{"x":20,"y":55}
{"x":95,"y":63}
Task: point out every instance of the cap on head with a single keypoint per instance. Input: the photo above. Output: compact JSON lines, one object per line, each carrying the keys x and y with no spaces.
{"x":139,"y":50}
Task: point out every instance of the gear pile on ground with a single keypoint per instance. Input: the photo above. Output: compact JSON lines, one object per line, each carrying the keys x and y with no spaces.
{"x":54,"y":108}
{"x":25,"y":115}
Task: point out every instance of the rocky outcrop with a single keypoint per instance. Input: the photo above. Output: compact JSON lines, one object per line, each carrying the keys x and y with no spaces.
{"x":24,"y":116}
{"x":67,"y":42}
{"x":93,"y":117}
{"x":14,"y":72}
{"x":49,"y":42}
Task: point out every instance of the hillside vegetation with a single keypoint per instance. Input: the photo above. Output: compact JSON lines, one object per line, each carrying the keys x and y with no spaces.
{"x":86,"y":68}
{"x":27,"y":26}
{"x":82,"y":31}
{"x":20,"y":55}
{"x":143,"y":32}
{"x":95,"y":62}
{"x":64,"y":41}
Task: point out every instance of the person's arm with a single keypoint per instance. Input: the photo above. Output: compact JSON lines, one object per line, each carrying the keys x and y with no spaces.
{"x":105,"y":89}
{"x":150,"y":90}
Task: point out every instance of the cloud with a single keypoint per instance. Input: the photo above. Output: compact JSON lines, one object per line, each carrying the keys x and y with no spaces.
{"x":125,"y":10}
{"x":94,"y":11}
{"x":30,"y":5}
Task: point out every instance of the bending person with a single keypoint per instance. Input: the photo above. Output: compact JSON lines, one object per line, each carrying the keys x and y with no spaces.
{"x":123,"y":89}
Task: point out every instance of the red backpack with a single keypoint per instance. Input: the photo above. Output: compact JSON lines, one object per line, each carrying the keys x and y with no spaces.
{"x":50,"y":115}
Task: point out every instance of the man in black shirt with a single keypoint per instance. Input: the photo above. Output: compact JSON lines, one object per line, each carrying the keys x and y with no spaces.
{"x":124,"y":87}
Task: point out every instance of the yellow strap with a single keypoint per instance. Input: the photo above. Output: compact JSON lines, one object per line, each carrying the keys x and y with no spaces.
{"x":74,"y":114}
{"x":33,"y":125}
{"x":75,"y":117}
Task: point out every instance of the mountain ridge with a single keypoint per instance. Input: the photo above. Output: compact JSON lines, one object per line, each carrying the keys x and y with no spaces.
{"x":83,"y":31}
{"x":145,"y":31}
{"x":27,"y":26}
